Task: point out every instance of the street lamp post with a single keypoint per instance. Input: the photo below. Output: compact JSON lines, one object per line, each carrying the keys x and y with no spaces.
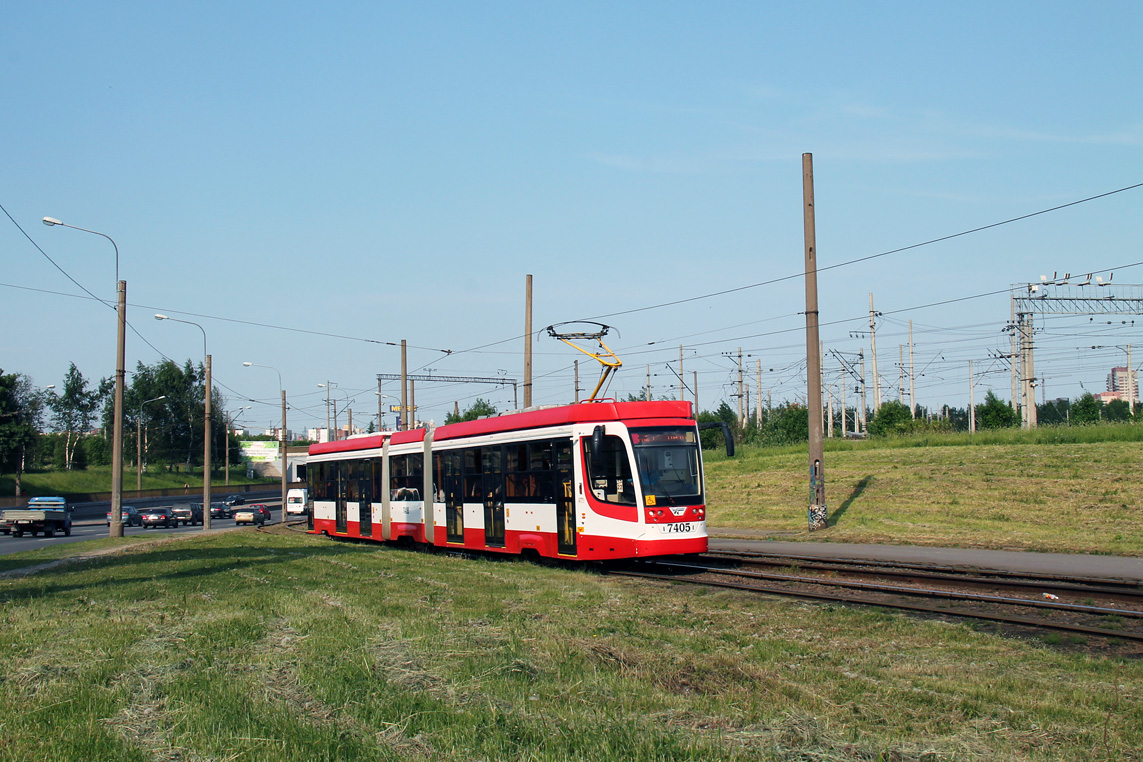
{"x":115,"y":526}
{"x":284,"y":445}
{"x":206,"y":426}
{"x":139,"y":444}
{"x":328,"y":431}
{"x":381,"y":408}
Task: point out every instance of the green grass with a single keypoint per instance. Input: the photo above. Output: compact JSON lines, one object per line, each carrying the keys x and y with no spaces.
{"x":98,"y":479}
{"x":276,"y":646}
{"x":1019,"y":490}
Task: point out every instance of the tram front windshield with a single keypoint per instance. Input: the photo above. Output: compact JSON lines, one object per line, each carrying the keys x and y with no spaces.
{"x":668,"y":462}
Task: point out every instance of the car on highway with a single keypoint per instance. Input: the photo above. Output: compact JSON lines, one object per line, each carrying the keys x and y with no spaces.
{"x":219,"y":511}
{"x":234,"y":500}
{"x":262,"y":509}
{"x":189,"y":513}
{"x":131,"y":517}
{"x":249,"y":515}
{"x":163,"y":516}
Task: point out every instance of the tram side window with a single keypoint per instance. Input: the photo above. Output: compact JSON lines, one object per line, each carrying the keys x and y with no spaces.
{"x":406,"y":476}
{"x":610,"y":474}
{"x":529,"y":472}
{"x":325,"y":481}
{"x":352,"y":480}
{"x":473,"y":482}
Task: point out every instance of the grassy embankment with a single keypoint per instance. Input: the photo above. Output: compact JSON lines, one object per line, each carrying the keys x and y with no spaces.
{"x":273,"y":646}
{"x":1054,"y":489}
{"x":98,"y":479}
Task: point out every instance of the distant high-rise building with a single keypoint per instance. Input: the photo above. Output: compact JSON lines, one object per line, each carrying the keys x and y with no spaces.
{"x":1125,"y":386}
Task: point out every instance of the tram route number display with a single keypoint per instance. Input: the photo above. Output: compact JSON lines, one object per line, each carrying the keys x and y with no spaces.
{"x":675,"y":528}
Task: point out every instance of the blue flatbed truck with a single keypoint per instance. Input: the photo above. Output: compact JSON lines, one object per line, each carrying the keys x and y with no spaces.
{"x":43,"y":514}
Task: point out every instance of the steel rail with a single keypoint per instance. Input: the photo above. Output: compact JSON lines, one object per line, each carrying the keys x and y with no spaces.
{"x":897,"y":590}
{"x":1118,"y":585}
{"x":835,"y":597}
{"x":1001,"y":579}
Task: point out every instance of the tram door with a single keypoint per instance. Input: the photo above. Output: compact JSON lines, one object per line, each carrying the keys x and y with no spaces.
{"x":493,"y":469}
{"x":565,"y":500}
{"x":448,"y":478}
{"x":342,"y":498}
{"x":365,"y":495}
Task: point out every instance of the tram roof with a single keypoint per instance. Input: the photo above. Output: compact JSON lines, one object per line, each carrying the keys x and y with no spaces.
{"x":584,"y":412}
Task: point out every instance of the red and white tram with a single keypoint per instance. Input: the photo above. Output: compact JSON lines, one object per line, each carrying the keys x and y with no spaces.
{"x":592,"y":481}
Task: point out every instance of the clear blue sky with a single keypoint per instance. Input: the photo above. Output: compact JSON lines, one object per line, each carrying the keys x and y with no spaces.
{"x":387,"y":171}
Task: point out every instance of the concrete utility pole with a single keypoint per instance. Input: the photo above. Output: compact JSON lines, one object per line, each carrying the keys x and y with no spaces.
{"x":1027,"y":373}
{"x":576,"y":363}
{"x":912,"y":388}
{"x":971,"y":400}
{"x":844,"y":381}
{"x":741,"y":396}
{"x":404,"y":388}
{"x":758,"y":402}
{"x":206,"y":452}
{"x":873,"y":356}
{"x":901,"y":373}
{"x":864,"y":406}
{"x":412,"y":403}
{"x":682,"y":385}
{"x":647,"y":393}
{"x":528,"y":343}
{"x":696,"y":392}
{"x":1130,"y":382}
{"x":1015,"y":376}
{"x":818,"y":513}
{"x":328,"y":430}
{"x":380,"y":407}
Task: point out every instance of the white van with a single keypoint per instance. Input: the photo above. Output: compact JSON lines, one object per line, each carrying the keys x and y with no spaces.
{"x":296,"y":501}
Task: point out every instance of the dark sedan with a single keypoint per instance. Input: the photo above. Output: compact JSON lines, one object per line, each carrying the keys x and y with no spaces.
{"x":131,"y":517}
{"x":160,"y":517}
{"x":234,"y":500}
{"x":219,"y":511}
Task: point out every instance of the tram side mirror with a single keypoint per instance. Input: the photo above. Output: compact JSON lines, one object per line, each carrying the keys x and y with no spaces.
{"x":596,"y":446}
{"x":726,"y":435}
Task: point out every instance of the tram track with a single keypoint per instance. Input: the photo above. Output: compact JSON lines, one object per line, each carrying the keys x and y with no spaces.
{"x":1104,"y":608}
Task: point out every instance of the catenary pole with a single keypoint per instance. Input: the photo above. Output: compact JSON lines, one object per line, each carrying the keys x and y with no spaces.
{"x":818,"y":512}
{"x":527,"y":344}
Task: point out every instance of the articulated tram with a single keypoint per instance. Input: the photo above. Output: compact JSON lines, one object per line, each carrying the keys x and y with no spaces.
{"x":592,"y":481}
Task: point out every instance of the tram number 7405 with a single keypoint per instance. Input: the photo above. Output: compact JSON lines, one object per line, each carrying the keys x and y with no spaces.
{"x":675,"y":528}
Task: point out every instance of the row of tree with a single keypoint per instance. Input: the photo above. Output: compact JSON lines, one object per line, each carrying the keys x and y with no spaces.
{"x":163,"y":403}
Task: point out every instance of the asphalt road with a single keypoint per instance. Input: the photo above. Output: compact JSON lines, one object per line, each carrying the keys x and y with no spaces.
{"x":85,"y":525}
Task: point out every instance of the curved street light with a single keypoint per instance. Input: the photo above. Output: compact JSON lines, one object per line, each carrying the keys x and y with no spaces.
{"x":206,"y":425}
{"x":284,"y":445}
{"x":115,"y":526}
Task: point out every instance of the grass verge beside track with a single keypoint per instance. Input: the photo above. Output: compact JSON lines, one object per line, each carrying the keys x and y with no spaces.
{"x":1064,"y":497}
{"x":273,"y":645}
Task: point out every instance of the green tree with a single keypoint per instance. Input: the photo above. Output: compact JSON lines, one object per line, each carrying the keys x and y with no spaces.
{"x":1117,"y":410}
{"x":479,"y":409}
{"x":894,"y":417}
{"x":20,"y":412}
{"x":995,"y":413}
{"x":788,"y":424}
{"x":73,"y":411}
{"x":1056,"y":412}
{"x":1087,"y":409}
